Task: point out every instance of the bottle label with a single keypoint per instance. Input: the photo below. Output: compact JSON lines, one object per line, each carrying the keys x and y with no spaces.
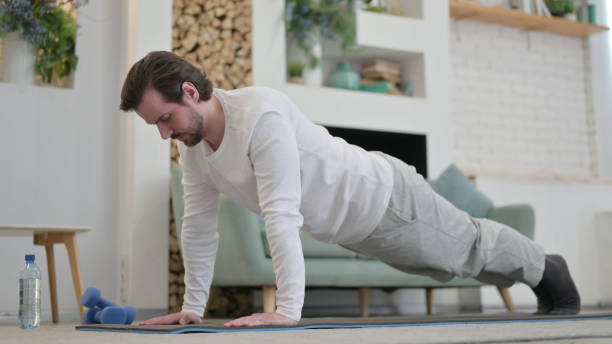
{"x":29,"y":291}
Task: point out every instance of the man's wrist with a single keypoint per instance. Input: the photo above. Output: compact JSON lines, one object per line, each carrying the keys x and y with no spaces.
{"x":295,"y":316}
{"x":190,"y":310}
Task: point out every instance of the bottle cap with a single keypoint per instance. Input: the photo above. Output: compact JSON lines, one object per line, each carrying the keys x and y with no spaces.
{"x":30,"y":257}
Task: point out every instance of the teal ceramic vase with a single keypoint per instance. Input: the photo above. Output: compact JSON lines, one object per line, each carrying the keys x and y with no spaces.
{"x":345,"y":77}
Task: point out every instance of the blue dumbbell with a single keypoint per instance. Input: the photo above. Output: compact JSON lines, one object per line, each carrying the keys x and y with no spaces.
{"x":104,"y":311}
{"x":111,"y":315}
{"x":93,"y":298}
{"x":89,"y":317}
{"x":130,"y":314}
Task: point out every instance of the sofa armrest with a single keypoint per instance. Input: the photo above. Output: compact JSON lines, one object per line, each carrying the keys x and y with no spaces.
{"x":518,"y":216}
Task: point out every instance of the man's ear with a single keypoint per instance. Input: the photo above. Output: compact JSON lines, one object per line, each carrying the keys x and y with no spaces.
{"x":190,"y":91}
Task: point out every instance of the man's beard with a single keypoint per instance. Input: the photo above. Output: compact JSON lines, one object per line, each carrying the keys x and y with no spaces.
{"x":194,"y":133}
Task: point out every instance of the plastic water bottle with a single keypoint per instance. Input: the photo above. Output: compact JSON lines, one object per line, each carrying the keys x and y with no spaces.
{"x":29,"y":295}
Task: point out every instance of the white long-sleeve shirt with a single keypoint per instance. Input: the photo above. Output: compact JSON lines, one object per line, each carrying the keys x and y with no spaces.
{"x":275,"y":162}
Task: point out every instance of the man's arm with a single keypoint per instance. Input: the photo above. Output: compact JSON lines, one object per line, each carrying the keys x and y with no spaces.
{"x":274,"y":154}
{"x":199,"y":239}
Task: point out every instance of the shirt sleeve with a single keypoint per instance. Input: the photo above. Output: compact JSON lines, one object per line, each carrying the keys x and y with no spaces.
{"x":199,"y":235}
{"x":274,"y":154}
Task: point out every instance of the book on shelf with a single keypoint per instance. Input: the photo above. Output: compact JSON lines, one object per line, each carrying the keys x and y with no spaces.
{"x":381,"y":75}
{"x":381,"y":66}
{"x":379,"y":86}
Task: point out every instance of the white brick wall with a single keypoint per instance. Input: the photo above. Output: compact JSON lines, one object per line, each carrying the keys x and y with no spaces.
{"x":520,"y":102}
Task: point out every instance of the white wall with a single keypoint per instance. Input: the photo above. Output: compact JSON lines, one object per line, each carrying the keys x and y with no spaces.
{"x":520,"y":101}
{"x":59,"y":165}
{"x":565,"y":224}
{"x":144,"y":173}
{"x":601,"y":74}
{"x":536,"y":104}
{"x":522,"y":105}
{"x":70,"y":157}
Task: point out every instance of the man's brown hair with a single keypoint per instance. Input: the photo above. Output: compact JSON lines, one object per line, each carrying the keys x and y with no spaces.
{"x":165,"y":72}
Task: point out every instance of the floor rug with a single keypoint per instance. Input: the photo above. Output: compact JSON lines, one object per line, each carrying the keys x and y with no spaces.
{"x":216,"y":325}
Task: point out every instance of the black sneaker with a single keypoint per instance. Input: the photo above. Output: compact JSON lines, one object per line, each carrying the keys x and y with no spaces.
{"x":556,"y":292}
{"x":544,"y":302}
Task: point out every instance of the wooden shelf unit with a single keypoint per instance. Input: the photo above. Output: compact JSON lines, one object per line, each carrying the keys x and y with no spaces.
{"x":468,"y":10}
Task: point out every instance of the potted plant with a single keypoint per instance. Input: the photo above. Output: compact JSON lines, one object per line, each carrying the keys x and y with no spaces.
{"x":57,"y":54}
{"x":310,"y":21}
{"x":560,"y":8}
{"x":371,"y":7}
{"x":45,"y":27}
{"x":296,"y":70}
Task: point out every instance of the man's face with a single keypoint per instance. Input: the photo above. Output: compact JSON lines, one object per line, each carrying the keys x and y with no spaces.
{"x":178,"y":121}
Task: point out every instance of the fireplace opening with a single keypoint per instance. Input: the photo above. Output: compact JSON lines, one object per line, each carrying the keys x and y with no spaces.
{"x":410,"y":148}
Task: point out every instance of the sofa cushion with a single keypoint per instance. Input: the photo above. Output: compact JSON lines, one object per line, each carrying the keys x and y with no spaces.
{"x":314,"y":248}
{"x":461,"y":192}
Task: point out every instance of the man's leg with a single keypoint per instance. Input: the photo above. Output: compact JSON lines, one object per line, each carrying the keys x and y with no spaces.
{"x":423,"y":233}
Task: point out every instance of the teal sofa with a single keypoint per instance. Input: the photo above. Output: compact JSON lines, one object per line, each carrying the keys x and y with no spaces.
{"x":243,"y":258}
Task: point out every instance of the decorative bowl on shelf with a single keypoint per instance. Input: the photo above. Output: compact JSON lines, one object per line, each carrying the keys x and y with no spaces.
{"x":345,"y":77}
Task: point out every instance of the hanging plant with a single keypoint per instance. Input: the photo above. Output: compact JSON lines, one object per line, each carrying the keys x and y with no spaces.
{"x":49,"y":27}
{"x":331,"y":19}
{"x":25,"y":17}
{"x":57,"y":54}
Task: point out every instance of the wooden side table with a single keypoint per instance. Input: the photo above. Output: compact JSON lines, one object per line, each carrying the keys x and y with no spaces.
{"x":47,"y":236}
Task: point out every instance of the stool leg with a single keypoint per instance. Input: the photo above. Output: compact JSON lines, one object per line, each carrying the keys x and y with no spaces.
{"x":364,"y":301}
{"x":269,"y":298}
{"x":75,"y":266}
{"x":505,"y":294}
{"x":429,"y":297}
{"x":52,"y":283}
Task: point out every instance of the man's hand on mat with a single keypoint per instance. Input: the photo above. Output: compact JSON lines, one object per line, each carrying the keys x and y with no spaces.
{"x":259,"y":319}
{"x":182,"y":318}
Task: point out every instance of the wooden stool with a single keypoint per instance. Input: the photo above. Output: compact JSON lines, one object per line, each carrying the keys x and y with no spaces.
{"x":47,"y":236}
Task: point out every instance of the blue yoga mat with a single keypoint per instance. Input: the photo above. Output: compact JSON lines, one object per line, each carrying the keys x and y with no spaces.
{"x":216,"y":325}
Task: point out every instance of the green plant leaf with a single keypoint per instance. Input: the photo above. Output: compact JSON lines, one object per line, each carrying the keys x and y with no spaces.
{"x":329,"y":19}
{"x":57,"y":53}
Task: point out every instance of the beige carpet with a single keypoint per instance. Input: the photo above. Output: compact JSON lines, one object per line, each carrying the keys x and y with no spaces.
{"x":582,"y":332}
{"x":216,"y":325}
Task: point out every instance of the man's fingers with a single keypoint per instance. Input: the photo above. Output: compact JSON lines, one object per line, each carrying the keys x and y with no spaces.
{"x":156,"y":321}
{"x":243,"y":321}
{"x":175,"y":318}
{"x":194,"y":319}
{"x":259,"y":319}
{"x":152,"y":321}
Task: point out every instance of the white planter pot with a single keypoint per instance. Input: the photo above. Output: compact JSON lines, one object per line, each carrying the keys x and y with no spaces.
{"x":311,"y":76}
{"x":18,"y":60}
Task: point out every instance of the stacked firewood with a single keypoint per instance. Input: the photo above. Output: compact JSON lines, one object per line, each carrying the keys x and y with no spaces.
{"x":1,"y":69}
{"x":215,"y":36}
